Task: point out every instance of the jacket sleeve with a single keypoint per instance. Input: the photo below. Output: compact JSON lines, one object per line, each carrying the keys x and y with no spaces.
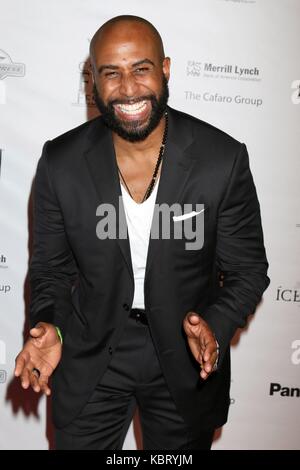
{"x":52,"y":269}
{"x":240,"y":255}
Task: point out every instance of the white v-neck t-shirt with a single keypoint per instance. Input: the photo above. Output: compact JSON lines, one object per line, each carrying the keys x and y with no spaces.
{"x":139,"y":220}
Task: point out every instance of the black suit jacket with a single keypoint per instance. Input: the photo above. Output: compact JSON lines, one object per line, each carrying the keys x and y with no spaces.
{"x":85,"y":285}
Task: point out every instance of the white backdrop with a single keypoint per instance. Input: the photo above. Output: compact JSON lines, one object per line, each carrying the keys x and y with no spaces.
{"x":235,"y":64}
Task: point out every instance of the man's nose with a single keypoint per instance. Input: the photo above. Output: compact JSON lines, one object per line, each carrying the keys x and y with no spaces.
{"x":128,"y":86}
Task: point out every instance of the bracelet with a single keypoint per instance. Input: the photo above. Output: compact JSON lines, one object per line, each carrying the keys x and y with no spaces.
{"x":59,"y":334}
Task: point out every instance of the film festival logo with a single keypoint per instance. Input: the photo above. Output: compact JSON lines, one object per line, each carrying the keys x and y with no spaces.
{"x":296,"y":93}
{"x":8,"y":68}
{"x":196,"y":69}
{"x":85,"y":95}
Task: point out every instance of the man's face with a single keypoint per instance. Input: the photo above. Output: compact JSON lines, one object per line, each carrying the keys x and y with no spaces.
{"x":131,"y":88}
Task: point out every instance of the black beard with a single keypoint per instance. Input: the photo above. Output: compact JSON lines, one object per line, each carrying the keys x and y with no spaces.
{"x":134,"y":133}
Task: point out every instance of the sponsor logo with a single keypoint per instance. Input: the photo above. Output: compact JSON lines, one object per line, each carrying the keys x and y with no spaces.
{"x":3,"y":264}
{"x":295,"y":357}
{"x":288,"y":295}
{"x":4,"y":289}
{"x":8,"y":68}
{"x":278,"y":389}
{"x":217,"y":98}
{"x":85,"y":96}
{"x":197,"y":69}
{"x":295,"y":97}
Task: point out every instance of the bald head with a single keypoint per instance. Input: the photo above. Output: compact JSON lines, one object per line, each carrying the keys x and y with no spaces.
{"x":131,"y":74}
{"x":118,"y":23}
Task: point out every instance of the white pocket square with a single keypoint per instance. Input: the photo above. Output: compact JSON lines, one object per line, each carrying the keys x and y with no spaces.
{"x":178,"y":218}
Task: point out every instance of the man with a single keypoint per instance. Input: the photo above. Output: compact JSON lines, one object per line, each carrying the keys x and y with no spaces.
{"x":124,"y":317}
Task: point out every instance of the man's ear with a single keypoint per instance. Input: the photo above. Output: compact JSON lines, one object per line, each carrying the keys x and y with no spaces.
{"x":166,"y":67}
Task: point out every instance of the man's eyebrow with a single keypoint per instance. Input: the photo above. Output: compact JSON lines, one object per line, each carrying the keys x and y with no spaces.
{"x":143,"y":61}
{"x":115,"y":67}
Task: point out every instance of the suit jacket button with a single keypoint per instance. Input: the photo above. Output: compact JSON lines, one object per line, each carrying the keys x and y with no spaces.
{"x":126,"y":307}
{"x":110,"y":350}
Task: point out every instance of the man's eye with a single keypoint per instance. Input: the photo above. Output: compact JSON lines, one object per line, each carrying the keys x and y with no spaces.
{"x":111,"y":74}
{"x":142,"y":69}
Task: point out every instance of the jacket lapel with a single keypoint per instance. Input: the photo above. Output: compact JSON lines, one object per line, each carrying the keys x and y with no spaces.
{"x":176,"y":168}
{"x":103,"y":169}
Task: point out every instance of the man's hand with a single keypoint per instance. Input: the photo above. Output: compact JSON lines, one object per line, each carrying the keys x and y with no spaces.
{"x":39,"y":357}
{"x":202,"y":343}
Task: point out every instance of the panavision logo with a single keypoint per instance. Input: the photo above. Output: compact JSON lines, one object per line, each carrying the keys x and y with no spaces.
{"x":296,"y":93}
{"x":288,"y":295}
{"x":278,"y":389}
{"x":8,"y":68}
{"x":199,"y":69}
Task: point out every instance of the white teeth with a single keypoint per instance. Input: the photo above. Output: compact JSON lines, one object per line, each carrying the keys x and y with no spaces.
{"x":135,"y":108}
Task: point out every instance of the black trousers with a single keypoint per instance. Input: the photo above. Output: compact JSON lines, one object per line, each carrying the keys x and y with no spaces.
{"x":133,"y":378}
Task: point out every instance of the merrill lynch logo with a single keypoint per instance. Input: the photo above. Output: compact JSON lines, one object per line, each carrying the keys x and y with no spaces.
{"x":8,"y":68}
{"x":208,"y":69}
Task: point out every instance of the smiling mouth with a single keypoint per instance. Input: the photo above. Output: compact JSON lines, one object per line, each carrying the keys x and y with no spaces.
{"x":132,"y":110}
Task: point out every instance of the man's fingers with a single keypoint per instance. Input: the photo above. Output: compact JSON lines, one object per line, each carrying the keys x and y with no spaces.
{"x":196,"y":349}
{"x":25,"y":377}
{"x":43,"y":382}
{"x":37,"y":332}
{"x":20,"y":364}
{"x":38,"y":383}
{"x":193,"y":319}
{"x":191,"y":325}
{"x":34,"y":382}
{"x":202,"y":342}
{"x":210,"y":349}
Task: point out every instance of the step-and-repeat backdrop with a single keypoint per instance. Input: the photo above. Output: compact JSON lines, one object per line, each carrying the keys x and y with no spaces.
{"x":235,"y":64}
